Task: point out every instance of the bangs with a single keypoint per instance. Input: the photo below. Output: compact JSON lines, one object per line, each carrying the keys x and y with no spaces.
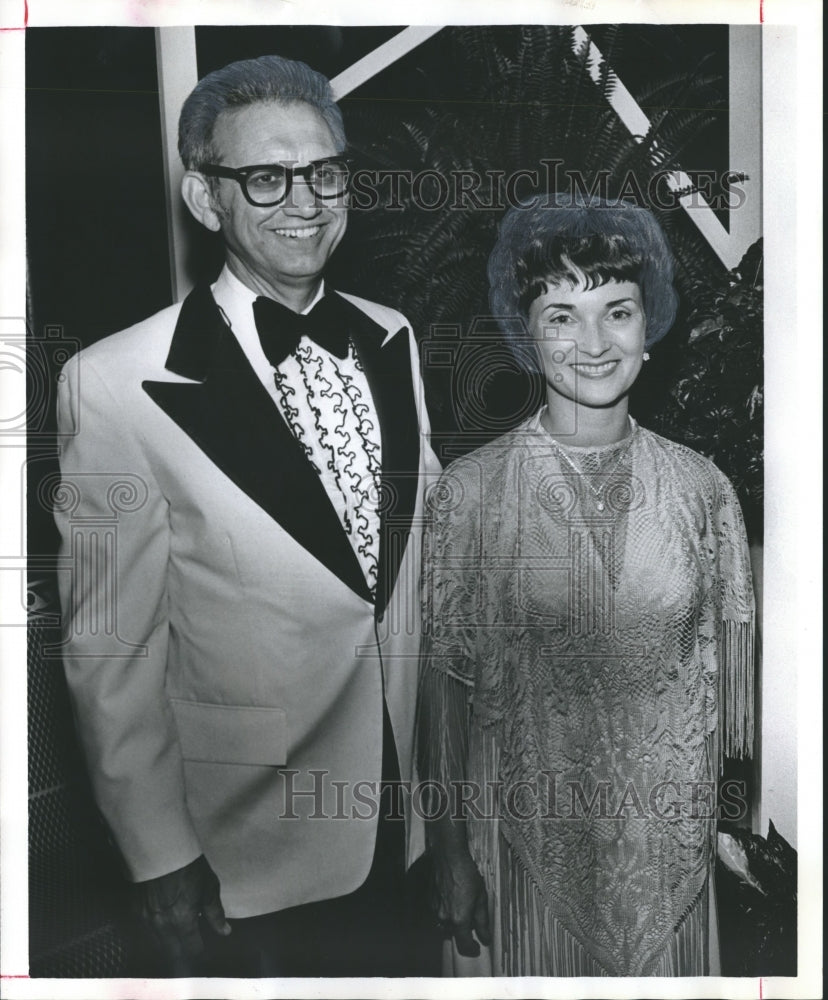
{"x":582,"y":243}
{"x":588,"y":261}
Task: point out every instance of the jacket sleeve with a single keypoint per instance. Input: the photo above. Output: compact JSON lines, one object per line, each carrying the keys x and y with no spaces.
{"x":115,"y":538}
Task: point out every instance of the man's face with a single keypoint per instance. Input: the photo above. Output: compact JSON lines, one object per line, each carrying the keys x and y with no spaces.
{"x":285,"y":247}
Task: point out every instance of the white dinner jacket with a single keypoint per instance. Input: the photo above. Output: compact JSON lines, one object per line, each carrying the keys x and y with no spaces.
{"x":222,"y":649}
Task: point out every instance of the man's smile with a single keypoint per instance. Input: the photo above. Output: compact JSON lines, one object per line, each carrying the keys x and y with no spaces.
{"x":298,"y":232}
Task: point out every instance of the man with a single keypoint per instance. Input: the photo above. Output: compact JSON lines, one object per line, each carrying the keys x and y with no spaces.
{"x":251,"y":681}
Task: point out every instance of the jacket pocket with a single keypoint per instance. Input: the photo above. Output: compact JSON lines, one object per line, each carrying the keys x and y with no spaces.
{"x":231,"y":734}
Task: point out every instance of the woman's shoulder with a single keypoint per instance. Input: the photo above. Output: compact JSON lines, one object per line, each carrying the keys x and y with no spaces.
{"x":494,"y":456}
{"x":482,"y":476}
{"x":684,"y":464}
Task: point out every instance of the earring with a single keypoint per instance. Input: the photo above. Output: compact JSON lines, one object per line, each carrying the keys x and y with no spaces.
{"x":645,"y":357}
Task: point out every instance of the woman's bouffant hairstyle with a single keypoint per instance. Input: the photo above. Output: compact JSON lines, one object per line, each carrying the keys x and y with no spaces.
{"x":268,"y":79}
{"x":554,"y":239}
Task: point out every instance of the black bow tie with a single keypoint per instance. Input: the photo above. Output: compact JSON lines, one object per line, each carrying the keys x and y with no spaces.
{"x":280,"y":329}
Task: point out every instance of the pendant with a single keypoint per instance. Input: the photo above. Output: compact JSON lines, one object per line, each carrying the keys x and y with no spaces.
{"x":600,"y":505}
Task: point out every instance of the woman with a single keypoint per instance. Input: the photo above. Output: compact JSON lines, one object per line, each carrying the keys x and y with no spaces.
{"x":588,"y":652}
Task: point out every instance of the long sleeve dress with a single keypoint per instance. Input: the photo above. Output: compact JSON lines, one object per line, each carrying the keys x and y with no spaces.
{"x":588,"y":661}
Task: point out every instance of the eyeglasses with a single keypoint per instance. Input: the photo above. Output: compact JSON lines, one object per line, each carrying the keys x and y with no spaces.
{"x":268,"y":184}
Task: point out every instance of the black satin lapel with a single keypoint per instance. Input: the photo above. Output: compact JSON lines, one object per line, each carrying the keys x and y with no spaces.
{"x":198,"y":343}
{"x":233,"y":419}
{"x":388,"y":371}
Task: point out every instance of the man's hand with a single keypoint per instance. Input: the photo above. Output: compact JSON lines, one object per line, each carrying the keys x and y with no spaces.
{"x":171,"y":906}
{"x":460,"y":903}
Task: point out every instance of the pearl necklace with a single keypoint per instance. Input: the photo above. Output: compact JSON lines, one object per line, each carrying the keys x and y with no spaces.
{"x":597,"y":493}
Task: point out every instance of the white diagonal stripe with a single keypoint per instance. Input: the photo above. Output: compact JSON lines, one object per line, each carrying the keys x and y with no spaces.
{"x":380,"y":58}
{"x":728,"y":249}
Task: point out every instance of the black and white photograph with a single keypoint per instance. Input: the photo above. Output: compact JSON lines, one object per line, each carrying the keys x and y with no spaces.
{"x":408,"y":438}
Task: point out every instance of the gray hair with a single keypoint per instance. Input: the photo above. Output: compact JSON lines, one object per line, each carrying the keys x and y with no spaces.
{"x":268,"y":79}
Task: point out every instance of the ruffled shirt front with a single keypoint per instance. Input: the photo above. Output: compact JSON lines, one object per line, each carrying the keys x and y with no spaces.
{"x":327,"y":403}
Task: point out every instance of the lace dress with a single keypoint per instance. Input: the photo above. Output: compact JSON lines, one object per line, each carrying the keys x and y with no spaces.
{"x":588,"y":661}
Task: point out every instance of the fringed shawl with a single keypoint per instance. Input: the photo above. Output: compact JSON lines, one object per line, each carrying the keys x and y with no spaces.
{"x":585,"y":670}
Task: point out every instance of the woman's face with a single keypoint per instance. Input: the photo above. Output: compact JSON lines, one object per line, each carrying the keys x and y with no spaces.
{"x":590,"y":340}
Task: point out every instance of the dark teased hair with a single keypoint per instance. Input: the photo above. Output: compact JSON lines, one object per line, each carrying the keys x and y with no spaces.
{"x":251,"y":81}
{"x":551,"y":239}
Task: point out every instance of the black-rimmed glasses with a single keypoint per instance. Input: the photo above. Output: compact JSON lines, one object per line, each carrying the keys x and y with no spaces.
{"x":268,"y":184}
